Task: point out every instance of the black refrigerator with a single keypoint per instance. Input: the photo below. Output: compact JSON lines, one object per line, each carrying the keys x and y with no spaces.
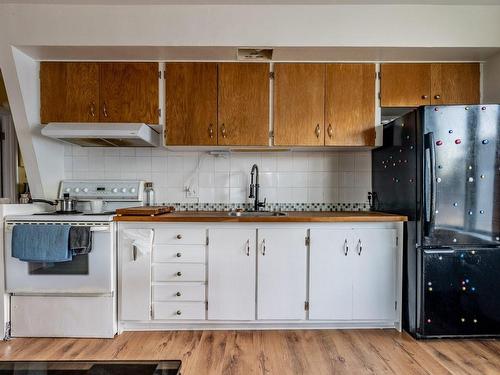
{"x":440,"y":166}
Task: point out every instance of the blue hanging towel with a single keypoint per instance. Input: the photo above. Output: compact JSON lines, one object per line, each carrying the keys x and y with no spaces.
{"x":41,"y":243}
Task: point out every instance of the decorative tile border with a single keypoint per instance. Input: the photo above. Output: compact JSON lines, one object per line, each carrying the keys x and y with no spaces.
{"x":271,"y":206}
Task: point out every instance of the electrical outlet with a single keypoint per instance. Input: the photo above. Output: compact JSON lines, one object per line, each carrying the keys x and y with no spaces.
{"x":191,"y":192}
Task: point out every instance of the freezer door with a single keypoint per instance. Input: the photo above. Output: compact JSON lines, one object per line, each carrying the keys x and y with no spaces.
{"x":461,"y":191}
{"x":460,"y":293}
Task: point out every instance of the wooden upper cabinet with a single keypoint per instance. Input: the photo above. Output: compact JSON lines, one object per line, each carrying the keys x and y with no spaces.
{"x":350,"y":105}
{"x":405,"y":85}
{"x":455,"y":83}
{"x":129,"y":92}
{"x":191,"y":104}
{"x":243,"y":110}
{"x":69,"y":92}
{"x":299,"y":99}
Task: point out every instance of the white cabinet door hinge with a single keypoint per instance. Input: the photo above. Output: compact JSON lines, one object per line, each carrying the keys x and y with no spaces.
{"x":151,"y":311}
{"x":308,"y":241}
{"x":207,"y":241}
{"x":397,"y":241}
{"x":306,"y":305}
{"x":206,"y":305}
{"x":396,"y":305}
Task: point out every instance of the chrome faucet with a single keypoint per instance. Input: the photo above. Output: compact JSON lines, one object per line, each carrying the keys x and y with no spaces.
{"x":254,"y":188}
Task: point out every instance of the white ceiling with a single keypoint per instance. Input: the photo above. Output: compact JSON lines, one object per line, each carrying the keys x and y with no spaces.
{"x":164,"y":53}
{"x":303,"y":2}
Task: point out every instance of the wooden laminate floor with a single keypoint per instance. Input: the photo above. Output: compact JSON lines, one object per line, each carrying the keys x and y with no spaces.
{"x":275,"y":352}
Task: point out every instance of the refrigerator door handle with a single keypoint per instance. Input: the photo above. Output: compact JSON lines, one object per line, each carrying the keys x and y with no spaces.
{"x":430,"y":165}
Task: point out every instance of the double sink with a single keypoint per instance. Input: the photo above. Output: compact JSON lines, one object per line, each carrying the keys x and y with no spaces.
{"x":256,"y":213}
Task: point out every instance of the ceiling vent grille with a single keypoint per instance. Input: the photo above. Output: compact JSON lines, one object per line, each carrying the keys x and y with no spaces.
{"x":254,"y":54}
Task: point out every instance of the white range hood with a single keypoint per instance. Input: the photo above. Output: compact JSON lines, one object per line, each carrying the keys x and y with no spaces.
{"x":104,"y":134}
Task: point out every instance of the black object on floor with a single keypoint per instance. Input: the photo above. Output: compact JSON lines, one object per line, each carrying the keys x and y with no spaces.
{"x":90,"y":367}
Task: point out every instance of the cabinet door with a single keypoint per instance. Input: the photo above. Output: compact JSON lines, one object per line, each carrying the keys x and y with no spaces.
{"x":231,"y":274}
{"x":282,"y":273}
{"x":374,"y":286}
{"x":299,"y":104}
{"x":350,"y":105}
{"x":191,"y":104}
{"x":331,"y":274}
{"x":243,"y":104}
{"x":69,"y":92}
{"x":129,"y":92}
{"x":405,"y":85}
{"x":455,"y":84}
{"x":135,"y":282}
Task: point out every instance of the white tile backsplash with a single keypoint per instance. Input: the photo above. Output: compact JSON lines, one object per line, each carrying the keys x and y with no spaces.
{"x":285,"y":177}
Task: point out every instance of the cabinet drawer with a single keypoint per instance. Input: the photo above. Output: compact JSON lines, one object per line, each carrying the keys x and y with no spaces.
{"x":179,"y":253}
{"x":179,"y":292}
{"x":179,"y":272}
{"x":184,"y":236}
{"x":179,"y":310}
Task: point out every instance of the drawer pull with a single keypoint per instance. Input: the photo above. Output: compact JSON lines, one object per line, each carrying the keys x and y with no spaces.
{"x":178,"y":312}
{"x":178,"y":255}
{"x":179,"y":236}
{"x":179,"y":273}
{"x":178,"y":294}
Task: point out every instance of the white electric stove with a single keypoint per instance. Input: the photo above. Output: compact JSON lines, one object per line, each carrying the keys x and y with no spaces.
{"x":75,"y":298}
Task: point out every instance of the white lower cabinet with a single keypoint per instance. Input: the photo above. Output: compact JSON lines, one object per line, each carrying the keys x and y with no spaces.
{"x":249,"y":275}
{"x":231,"y":274}
{"x":331,"y":274}
{"x":374,"y":286}
{"x":352,"y":274}
{"x":281,"y":274}
{"x":135,"y":281}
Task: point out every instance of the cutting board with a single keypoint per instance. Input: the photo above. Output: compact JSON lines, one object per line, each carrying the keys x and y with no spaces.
{"x":145,"y":210}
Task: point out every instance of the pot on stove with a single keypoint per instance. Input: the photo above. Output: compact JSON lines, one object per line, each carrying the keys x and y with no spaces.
{"x":65,"y":205}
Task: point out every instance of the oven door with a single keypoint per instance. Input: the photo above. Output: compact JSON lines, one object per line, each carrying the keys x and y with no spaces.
{"x":92,"y":273}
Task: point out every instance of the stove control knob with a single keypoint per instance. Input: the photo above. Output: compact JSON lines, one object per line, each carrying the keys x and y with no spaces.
{"x":124,"y":190}
{"x":114,"y":190}
{"x":76,"y":190}
{"x":85,"y":190}
{"x":132,"y":190}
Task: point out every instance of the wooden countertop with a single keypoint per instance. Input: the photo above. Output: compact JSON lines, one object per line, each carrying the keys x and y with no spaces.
{"x":293,"y":216}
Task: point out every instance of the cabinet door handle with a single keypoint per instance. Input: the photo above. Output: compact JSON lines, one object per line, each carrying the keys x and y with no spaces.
{"x":179,"y":236}
{"x":248,"y":247}
{"x":179,"y":273}
{"x":330,"y":130}
{"x":178,"y":255}
{"x":134,"y":253}
{"x":425,"y":96}
{"x":92,"y":109}
{"x":223,"y":131}
{"x":346,"y":247}
{"x":317,"y":131}
{"x":437,"y":96}
{"x":104,"y":110}
{"x":178,"y":312}
{"x":360,"y":247}
{"x":178,"y":294}
{"x":211,"y":131}
{"x":264,"y":247}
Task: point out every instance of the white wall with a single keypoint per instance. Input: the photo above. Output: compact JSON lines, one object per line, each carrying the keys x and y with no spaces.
{"x":491,"y":80}
{"x":285,"y":177}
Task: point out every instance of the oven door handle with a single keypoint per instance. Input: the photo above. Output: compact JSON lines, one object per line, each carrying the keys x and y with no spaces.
{"x":104,"y":228}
